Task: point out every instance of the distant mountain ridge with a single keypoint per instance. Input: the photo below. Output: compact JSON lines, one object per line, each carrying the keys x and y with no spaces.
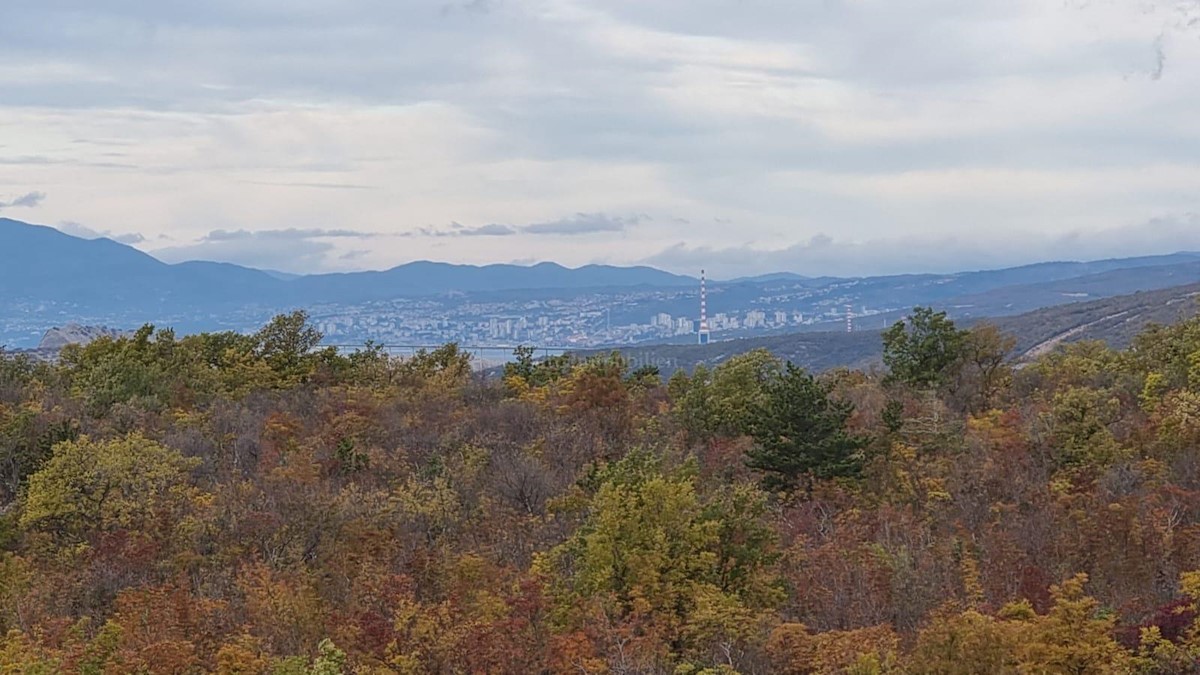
{"x":40,"y":263}
{"x":50,"y":278}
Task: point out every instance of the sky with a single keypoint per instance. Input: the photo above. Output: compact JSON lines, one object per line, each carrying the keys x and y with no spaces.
{"x":742,"y":136}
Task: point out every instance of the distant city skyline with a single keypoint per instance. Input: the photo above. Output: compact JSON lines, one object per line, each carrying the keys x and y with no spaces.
{"x":848,"y":137}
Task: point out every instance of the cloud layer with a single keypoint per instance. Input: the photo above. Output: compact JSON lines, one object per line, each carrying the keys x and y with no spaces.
{"x":900,"y":254}
{"x":83,"y":231}
{"x":941,"y":132}
{"x":28,"y":200}
{"x":576,"y":225}
{"x":295,"y":250}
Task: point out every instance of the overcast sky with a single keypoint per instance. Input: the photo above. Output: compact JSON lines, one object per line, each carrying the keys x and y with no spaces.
{"x":745,"y":136}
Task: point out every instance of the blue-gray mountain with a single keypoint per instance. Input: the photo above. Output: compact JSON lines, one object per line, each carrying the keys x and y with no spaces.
{"x":40,"y":263}
{"x":48,"y":278}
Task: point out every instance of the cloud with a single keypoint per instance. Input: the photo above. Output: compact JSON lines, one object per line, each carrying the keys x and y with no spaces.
{"x":287,"y":234}
{"x":576,"y":225}
{"x":492,"y":230}
{"x":824,"y":255}
{"x":475,"y":6}
{"x":582,"y":223}
{"x":29,"y":200}
{"x":1160,"y":58}
{"x":84,"y":232}
{"x":756,"y":124}
{"x":294,"y":250}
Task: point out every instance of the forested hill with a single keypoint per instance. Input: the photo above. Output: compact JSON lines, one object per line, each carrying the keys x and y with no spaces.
{"x":1114,"y":320}
{"x":254,"y":504}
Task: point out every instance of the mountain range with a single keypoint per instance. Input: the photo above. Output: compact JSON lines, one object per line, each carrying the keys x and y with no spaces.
{"x":42,"y":264}
{"x":50,"y":278}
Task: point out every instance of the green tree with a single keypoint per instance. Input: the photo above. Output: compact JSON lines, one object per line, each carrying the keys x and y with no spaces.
{"x":524,"y":371}
{"x":26,"y":439}
{"x":652,"y":554}
{"x":925,"y":350}
{"x":109,"y":371}
{"x":16,"y":371}
{"x":984,"y":370}
{"x":722,"y":401}
{"x":101,"y":485}
{"x":289,"y":345}
{"x":447,"y":364}
{"x":800,"y":433}
{"x":1080,"y":420}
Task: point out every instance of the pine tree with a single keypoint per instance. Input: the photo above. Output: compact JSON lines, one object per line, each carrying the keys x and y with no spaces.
{"x":800,"y":433}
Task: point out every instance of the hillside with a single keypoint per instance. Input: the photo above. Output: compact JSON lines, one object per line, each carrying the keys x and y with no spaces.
{"x":243,"y":504}
{"x":1114,"y":320}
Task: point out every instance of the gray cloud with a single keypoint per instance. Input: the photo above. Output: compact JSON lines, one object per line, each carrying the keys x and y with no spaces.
{"x":859,"y":119}
{"x":288,"y":234}
{"x":582,"y":223}
{"x":578,"y":224}
{"x":825,"y":255}
{"x":476,"y":6}
{"x":84,"y":232}
{"x":492,"y":230}
{"x":299,"y":256}
{"x":28,"y":200}
{"x":294,"y":250}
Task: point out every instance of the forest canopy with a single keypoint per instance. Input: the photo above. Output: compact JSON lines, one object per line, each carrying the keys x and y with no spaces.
{"x":261,"y":504}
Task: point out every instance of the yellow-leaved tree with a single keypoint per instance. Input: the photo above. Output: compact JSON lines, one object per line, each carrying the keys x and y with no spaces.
{"x":95,"y":486}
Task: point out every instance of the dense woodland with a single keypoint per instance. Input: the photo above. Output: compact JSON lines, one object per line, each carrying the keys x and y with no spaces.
{"x":258,"y":504}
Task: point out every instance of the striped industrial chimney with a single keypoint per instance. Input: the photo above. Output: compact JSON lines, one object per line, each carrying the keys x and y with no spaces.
{"x":703,"y":310}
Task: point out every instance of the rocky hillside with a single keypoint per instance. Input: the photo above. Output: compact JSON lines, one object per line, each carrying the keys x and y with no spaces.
{"x":75,"y":334}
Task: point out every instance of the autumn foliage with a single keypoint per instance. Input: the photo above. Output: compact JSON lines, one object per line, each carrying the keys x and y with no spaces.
{"x":256,"y":504}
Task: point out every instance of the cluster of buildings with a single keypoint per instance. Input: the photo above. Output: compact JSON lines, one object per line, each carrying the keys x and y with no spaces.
{"x":553,"y":319}
{"x":666,"y":325}
{"x":585,"y":320}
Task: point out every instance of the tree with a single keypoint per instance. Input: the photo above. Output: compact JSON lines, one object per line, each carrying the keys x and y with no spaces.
{"x":796,"y":651}
{"x":102,"y":485}
{"x":26,"y":439}
{"x":984,"y":370}
{"x":654,"y":559}
{"x":966,"y":644}
{"x":722,"y":401}
{"x":800,"y":433}
{"x":1074,"y":638}
{"x":109,"y":371}
{"x":447,"y":366}
{"x":925,"y":350}
{"x":287,"y":344}
{"x":16,"y":371}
